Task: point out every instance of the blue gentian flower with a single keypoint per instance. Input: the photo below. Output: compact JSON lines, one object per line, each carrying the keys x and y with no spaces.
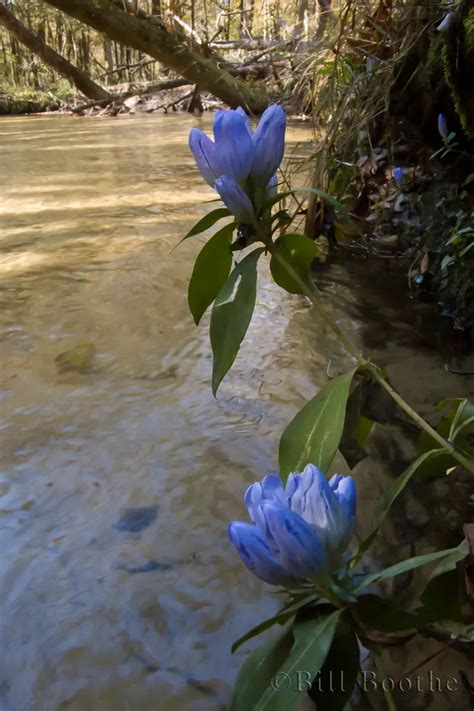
{"x":443,"y":127}
{"x":234,"y":144}
{"x":301,"y":531}
{"x":247,"y":159}
{"x":397,"y":174}
{"x":204,"y":152}
{"x":446,"y":23}
{"x":269,"y":144}
{"x":235,"y":199}
{"x":256,"y":554}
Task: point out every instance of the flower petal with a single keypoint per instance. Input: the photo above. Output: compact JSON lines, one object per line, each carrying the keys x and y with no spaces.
{"x":299,"y":549}
{"x":443,"y":126}
{"x":252,"y":499}
{"x":397,"y":174}
{"x":234,"y":143}
{"x":269,"y":144}
{"x":256,"y":555}
{"x":292,"y":484}
{"x":235,"y":199}
{"x":346,"y":495}
{"x":204,"y":152}
{"x":272,"y":487}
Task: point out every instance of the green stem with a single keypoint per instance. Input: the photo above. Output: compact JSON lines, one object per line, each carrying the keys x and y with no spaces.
{"x":310,"y":291}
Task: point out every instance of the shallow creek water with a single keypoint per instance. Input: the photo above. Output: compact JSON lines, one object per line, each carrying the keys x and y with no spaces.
{"x":92,"y":615}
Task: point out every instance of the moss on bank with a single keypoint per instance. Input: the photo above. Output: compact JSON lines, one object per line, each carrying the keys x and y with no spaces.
{"x":435,"y":76}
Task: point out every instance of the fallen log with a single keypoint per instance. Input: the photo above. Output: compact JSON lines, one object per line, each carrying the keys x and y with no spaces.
{"x":151,"y":89}
{"x":150,"y":36}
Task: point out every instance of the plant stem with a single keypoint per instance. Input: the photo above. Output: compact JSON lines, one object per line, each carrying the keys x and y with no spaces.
{"x":310,"y":291}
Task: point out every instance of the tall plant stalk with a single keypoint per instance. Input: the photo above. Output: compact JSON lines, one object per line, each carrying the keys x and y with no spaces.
{"x":310,"y":291}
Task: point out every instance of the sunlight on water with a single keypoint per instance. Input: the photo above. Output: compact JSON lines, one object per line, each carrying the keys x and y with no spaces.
{"x":106,"y":407}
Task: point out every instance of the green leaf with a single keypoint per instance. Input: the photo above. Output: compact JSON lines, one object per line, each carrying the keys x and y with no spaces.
{"x":385,"y":615}
{"x":357,"y":428}
{"x":210,"y":272}
{"x":325,"y":196}
{"x":289,"y":610}
{"x":313,"y":436}
{"x":463,"y":418}
{"x":298,"y":251}
{"x":268,"y":204}
{"x":389,"y":497}
{"x":441,"y":599}
{"x":207,"y":221}
{"x":258,"y":670}
{"x":403,"y":567}
{"x":313,"y":640}
{"x":338,"y":675}
{"x":364,"y":428}
{"x":456,"y":426}
{"x":231,"y":315}
{"x":280,"y":618}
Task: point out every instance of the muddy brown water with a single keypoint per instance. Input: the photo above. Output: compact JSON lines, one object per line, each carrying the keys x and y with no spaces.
{"x":105,"y":608}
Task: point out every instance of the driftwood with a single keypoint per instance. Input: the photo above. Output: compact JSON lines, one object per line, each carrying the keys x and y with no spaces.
{"x":150,"y":89}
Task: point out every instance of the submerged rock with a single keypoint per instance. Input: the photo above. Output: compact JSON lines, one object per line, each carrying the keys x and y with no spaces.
{"x":80,"y":359}
{"x":134,"y":520}
{"x":149,"y":567}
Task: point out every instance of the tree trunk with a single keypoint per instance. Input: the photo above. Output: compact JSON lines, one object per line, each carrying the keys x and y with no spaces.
{"x":246,"y":19}
{"x":150,"y":36}
{"x":324,"y":15}
{"x":54,"y":60}
{"x":301,"y":9}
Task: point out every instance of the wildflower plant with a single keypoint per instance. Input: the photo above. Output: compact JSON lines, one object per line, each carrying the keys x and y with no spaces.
{"x":448,"y":138}
{"x":301,"y":534}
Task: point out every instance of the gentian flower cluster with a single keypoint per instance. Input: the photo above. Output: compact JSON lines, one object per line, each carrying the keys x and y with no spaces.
{"x":239,"y":164}
{"x":301,"y":531}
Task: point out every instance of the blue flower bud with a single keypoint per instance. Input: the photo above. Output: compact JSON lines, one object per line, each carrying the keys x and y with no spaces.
{"x":397,"y":174}
{"x":219,"y":115}
{"x":344,"y":489}
{"x":443,"y":127}
{"x":204,"y":152}
{"x":299,"y":548}
{"x":446,"y":23}
{"x":304,"y":528}
{"x":234,"y":145}
{"x":256,"y":555}
{"x":235,"y":199}
{"x":269,"y":144}
{"x":315,"y":500}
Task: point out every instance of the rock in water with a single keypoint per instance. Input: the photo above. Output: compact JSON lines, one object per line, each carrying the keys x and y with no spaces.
{"x":80,"y":358}
{"x":148,"y":567}
{"x":136,"y":520}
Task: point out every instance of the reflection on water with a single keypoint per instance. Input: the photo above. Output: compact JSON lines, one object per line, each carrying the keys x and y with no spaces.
{"x":97,"y":614}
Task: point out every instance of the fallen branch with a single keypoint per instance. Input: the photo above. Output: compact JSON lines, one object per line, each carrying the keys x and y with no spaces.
{"x":171,"y":104}
{"x":123,"y":67}
{"x":247,"y":44}
{"x":161,"y":86}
